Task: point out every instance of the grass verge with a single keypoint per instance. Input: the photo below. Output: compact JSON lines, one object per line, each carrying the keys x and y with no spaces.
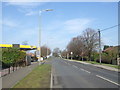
{"x":93,"y":62}
{"x":38,"y":78}
{"x":110,"y":65}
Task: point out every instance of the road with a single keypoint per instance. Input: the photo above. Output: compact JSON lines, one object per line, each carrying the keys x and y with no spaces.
{"x":67,"y":74}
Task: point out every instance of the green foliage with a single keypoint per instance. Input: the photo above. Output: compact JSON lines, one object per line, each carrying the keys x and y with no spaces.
{"x":21,"y":56}
{"x":106,"y":58}
{"x":95,"y":56}
{"x":11,"y":56}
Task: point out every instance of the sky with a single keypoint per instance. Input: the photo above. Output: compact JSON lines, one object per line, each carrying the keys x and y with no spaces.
{"x":21,"y":21}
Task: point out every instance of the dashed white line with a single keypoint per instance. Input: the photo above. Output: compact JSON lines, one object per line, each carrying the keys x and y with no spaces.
{"x":108,"y":80}
{"x":85,"y":70}
{"x":82,"y":69}
{"x":74,"y":66}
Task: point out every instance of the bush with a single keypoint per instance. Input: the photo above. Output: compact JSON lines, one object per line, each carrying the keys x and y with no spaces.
{"x":11,"y":57}
{"x":106,"y":58}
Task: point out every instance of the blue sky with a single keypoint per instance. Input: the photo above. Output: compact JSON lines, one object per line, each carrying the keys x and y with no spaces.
{"x":20,"y":22}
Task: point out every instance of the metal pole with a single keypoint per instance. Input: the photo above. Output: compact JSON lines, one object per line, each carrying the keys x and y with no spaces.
{"x":39,"y":42}
{"x":99,"y":45}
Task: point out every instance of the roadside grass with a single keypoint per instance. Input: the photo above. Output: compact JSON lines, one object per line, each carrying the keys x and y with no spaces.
{"x":38,"y":78}
{"x":93,"y":62}
{"x":110,"y":65}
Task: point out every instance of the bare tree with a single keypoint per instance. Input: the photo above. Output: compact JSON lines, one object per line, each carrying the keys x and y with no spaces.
{"x":56,"y":52}
{"x":85,"y":44}
{"x":75,"y":46}
{"x":64,"y":53}
{"x":45,"y":51}
{"x":90,"y":41}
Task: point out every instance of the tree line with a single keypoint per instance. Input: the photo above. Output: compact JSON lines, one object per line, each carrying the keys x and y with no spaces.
{"x":86,"y":47}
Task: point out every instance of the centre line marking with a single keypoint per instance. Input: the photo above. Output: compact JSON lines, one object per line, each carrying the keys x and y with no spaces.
{"x":85,"y":70}
{"x":75,"y":66}
{"x":108,"y":80}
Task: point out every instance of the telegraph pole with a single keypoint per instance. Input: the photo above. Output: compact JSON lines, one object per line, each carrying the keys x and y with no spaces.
{"x":99,"y":45}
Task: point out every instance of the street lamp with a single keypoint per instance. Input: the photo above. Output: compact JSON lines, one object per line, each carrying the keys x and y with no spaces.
{"x":71,"y":54}
{"x":39,"y":42}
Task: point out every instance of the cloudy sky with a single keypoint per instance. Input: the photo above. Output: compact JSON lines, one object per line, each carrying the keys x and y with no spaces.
{"x":20,"y":22}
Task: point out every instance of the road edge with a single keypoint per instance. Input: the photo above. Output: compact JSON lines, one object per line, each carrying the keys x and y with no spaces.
{"x":51,"y":81}
{"x":117,"y":70}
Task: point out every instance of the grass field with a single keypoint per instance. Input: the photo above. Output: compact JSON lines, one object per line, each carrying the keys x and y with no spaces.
{"x":38,"y":78}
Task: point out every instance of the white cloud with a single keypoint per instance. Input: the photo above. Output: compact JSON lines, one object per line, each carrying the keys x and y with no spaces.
{"x":31,"y":13}
{"x":76,"y":25}
{"x":25,"y":7}
{"x":9,"y":23}
{"x":24,"y":4}
{"x":62,"y":31}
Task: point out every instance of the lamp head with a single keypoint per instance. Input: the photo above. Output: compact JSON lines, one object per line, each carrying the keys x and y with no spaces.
{"x":49,"y":10}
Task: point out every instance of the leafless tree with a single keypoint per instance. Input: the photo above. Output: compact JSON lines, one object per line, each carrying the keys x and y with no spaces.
{"x":64,"y":53}
{"x":84,"y":44}
{"x":45,"y":51}
{"x":56,"y":52}
{"x":90,"y":41}
{"x":75,"y":46}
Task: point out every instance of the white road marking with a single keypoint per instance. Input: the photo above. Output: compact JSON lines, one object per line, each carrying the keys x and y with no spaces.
{"x":82,"y":69}
{"x":51,"y":83}
{"x":74,"y":66}
{"x":85,"y":70}
{"x":108,"y":80}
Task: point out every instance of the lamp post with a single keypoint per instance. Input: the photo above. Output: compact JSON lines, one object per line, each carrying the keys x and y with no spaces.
{"x":39,"y":41}
{"x":71,"y":55}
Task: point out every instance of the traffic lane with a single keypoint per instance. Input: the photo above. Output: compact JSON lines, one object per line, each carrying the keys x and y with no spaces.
{"x":71,"y":77}
{"x":11,"y":79}
{"x":112,"y":75}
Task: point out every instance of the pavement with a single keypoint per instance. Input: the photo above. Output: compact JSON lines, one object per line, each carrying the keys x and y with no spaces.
{"x":11,"y":79}
{"x":67,"y":74}
{"x":97,"y":65}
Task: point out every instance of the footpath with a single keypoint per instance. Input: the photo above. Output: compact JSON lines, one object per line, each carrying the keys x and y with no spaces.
{"x":97,"y":65}
{"x":11,"y":79}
